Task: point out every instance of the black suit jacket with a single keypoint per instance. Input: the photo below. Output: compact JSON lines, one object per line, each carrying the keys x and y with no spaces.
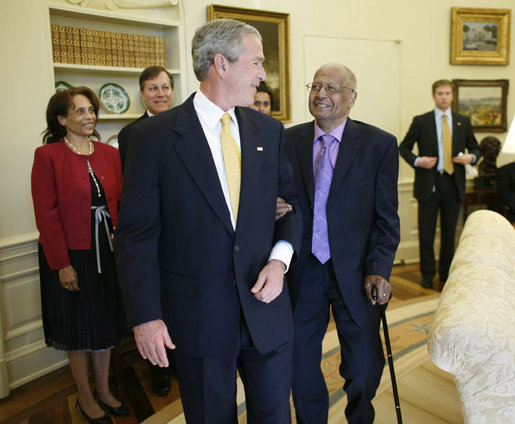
{"x":361,"y":209}
{"x":423,"y":132}
{"x":123,"y":139}
{"x":178,"y":257}
{"x":505,"y":188}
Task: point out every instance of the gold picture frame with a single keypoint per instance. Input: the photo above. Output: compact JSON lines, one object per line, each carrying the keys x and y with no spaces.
{"x":274,"y":29}
{"x":483,"y":101}
{"x":480,"y":36}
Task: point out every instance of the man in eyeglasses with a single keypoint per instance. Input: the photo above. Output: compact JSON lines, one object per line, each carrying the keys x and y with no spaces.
{"x":345,"y":173}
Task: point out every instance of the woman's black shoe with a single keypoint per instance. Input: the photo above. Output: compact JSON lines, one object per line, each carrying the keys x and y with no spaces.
{"x":121,"y":411}
{"x":105,"y":419}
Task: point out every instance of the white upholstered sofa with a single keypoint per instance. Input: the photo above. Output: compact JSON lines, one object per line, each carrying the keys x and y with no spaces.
{"x":473,"y":333}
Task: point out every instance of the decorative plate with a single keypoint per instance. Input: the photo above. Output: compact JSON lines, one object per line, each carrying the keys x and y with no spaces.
{"x":114,"y":99}
{"x":61,"y":86}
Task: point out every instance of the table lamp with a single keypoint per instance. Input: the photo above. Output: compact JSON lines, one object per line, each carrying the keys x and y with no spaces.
{"x":509,"y":143}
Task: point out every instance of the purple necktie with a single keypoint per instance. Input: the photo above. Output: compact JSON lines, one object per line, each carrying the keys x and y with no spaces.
{"x":323,"y":177}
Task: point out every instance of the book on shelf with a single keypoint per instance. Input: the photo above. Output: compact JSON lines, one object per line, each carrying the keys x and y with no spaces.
{"x":104,"y":48}
{"x":56,"y":44}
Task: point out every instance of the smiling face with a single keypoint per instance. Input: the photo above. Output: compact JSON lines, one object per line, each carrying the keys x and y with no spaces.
{"x":262,"y":102}
{"x":443,"y":97}
{"x":246,"y":73}
{"x":157,"y":94}
{"x":331,"y":108}
{"x":80,"y":119}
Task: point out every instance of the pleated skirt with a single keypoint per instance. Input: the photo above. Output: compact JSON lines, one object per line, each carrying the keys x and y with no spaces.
{"x":90,"y":319}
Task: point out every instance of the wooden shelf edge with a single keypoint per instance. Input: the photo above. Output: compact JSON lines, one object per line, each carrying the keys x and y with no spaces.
{"x":121,"y":117}
{"x":95,"y":68}
{"x":71,"y":10}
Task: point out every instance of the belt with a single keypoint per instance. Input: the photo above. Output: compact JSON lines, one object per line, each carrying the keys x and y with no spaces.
{"x":101,"y":214}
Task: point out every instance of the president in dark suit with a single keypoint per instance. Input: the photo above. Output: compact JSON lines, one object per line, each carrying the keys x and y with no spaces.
{"x":345,"y":174}
{"x":200,"y":256}
{"x":442,"y":137}
{"x":505,"y":189}
{"x":156,"y":90}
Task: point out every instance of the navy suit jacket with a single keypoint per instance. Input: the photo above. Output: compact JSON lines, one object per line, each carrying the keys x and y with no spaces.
{"x":123,"y":139}
{"x":423,"y":132}
{"x":178,"y":257}
{"x":361,"y":209}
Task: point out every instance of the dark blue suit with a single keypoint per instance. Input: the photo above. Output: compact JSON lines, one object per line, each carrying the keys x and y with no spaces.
{"x":363,"y":237}
{"x":123,"y":138}
{"x":179,"y":258}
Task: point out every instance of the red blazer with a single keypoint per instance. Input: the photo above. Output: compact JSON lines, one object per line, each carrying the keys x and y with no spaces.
{"x":61,"y":194}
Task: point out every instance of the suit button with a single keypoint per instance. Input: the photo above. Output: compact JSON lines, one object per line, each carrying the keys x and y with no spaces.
{"x":236,"y":249}
{"x":307,"y":236}
{"x":300,"y":266}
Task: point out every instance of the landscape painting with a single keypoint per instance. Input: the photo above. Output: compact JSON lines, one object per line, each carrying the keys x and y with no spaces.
{"x":483,"y":101}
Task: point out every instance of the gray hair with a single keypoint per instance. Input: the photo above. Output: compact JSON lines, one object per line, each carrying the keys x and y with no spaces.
{"x":222,"y":36}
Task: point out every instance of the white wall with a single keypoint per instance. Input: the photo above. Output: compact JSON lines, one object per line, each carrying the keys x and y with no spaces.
{"x":422,"y":27}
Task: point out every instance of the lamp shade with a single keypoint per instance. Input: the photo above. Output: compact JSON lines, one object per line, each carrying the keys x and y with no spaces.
{"x":509,"y":143}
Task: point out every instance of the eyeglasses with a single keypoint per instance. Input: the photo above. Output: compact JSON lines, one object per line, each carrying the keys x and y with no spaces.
{"x":329,"y":88}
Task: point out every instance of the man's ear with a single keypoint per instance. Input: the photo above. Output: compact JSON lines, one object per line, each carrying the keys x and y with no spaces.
{"x":220,"y":64}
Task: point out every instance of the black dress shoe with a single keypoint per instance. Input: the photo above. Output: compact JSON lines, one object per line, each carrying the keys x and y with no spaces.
{"x":105,"y":419}
{"x":161,"y":382}
{"x":427,"y":284}
{"x":121,"y":411}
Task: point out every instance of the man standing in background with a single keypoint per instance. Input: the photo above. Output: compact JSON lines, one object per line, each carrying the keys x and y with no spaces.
{"x":442,"y":137}
{"x":156,"y":91}
{"x":345,"y":173}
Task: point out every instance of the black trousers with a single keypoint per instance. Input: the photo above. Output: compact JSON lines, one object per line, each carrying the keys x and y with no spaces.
{"x":445,"y":199}
{"x":362,"y":358}
{"x":208,"y":384}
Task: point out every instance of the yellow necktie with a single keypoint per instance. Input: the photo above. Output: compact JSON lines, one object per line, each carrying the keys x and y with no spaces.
{"x":448,"y":164}
{"x":232,"y":163}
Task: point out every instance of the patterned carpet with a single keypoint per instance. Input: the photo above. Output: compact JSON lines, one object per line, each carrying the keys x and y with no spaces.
{"x":408,"y":325}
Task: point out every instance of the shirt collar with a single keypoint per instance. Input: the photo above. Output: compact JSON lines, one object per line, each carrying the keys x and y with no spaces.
{"x":337,"y":132}
{"x":209,"y":112}
{"x":439,"y":113}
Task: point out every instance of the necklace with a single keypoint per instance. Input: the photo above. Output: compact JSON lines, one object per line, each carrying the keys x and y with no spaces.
{"x":90,"y":170}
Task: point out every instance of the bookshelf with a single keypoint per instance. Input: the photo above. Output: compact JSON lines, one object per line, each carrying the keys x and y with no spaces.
{"x":163,"y":23}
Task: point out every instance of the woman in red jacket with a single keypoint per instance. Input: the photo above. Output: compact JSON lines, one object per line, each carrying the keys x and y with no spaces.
{"x":76,"y":189}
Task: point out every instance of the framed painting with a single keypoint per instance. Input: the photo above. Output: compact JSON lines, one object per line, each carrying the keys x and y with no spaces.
{"x":480,"y":36}
{"x":483,"y":101}
{"x":274,"y":29}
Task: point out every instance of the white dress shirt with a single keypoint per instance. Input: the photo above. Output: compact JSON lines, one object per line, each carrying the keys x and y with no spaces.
{"x":210,"y":115}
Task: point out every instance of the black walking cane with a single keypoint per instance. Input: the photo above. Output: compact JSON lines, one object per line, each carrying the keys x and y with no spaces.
{"x":390,"y":358}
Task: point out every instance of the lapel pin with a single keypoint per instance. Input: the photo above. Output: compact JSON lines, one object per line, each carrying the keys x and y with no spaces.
{"x":259,"y":148}
{"x":458,"y":123}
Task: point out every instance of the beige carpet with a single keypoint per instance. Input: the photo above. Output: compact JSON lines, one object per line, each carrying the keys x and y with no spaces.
{"x":408,"y":327}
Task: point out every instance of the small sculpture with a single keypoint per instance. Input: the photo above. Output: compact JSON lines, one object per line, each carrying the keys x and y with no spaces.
{"x":490,"y":146}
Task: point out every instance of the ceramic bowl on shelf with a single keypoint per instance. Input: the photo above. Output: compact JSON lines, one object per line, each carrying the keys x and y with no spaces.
{"x":61,"y":86}
{"x":114,"y":98}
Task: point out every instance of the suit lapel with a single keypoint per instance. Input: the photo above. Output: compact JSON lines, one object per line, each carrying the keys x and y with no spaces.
{"x":252,"y":154}
{"x":305,"y":157}
{"x":350,"y":138}
{"x":194,"y":151}
{"x":431,"y":124}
